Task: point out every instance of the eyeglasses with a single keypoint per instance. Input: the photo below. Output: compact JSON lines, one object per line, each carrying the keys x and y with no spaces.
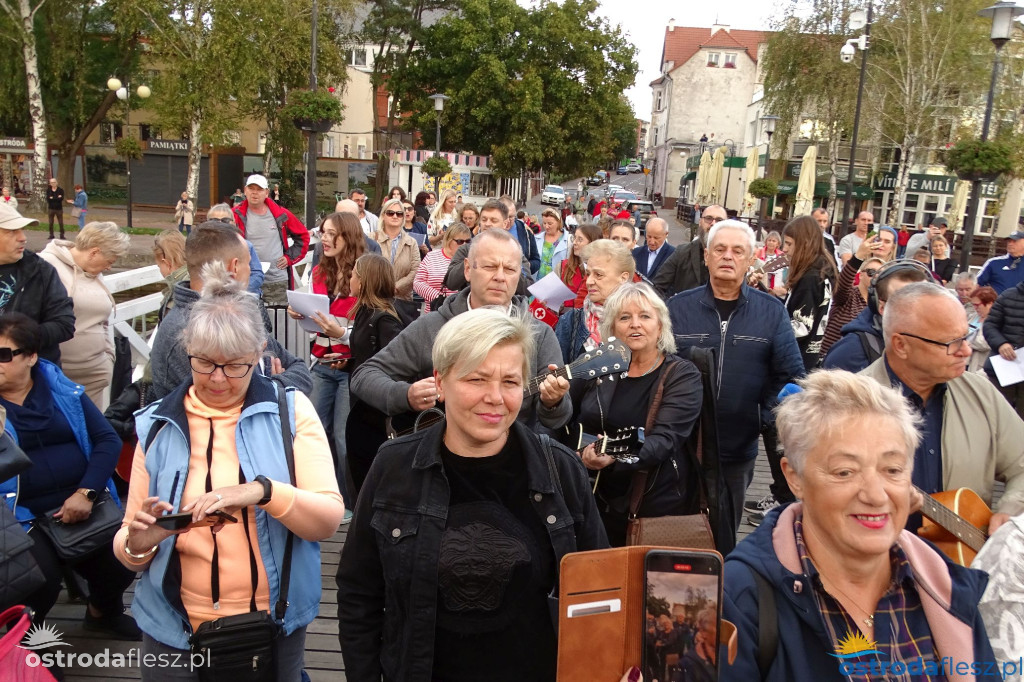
{"x":392,"y":214}
{"x":951,"y":346}
{"x":232,"y":370}
{"x":7,"y":354}
{"x":870,"y":272}
{"x":460,"y":242}
{"x":711,"y":219}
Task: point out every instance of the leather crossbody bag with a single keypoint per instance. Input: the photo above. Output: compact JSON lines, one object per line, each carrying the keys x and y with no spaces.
{"x":691,"y":530}
{"x":75,"y":541}
{"x":243,"y":647}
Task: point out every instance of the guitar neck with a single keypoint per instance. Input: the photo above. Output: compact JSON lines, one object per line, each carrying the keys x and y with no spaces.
{"x":533,"y":386}
{"x":952,"y":522}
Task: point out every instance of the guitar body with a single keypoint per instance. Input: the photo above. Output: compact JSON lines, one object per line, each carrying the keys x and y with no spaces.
{"x":966,"y":504}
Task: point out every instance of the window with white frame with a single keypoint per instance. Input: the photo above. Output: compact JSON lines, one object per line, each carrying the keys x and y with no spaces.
{"x":357,"y":57}
{"x":730,"y":60}
{"x":714,"y":58}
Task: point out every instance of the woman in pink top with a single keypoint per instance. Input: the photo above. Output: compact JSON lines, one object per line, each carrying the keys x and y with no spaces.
{"x":429,"y":281}
{"x":772,"y":247}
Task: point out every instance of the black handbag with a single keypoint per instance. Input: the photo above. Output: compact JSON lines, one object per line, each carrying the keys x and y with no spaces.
{"x":20,"y":575}
{"x":243,"y":647}
{"x":13,"y":459}
{"x":76,"y":541}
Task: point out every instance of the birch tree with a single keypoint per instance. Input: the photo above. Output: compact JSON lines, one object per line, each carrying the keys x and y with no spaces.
{"x":923,"y":68}
{"x":22,"y":14}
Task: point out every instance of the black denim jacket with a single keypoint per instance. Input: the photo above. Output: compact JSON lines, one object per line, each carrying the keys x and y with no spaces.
{"x":387,"y":577}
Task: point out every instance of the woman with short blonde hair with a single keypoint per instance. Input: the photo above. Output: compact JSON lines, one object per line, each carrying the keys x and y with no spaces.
{"x":430,"y":276}
{"x":88,"y":357}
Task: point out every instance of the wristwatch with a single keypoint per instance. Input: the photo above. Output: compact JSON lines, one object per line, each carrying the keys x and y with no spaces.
{"x":268,"y":489}
{"x":90,"y":495}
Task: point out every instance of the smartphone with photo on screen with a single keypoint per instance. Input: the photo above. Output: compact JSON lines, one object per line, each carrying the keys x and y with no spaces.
{"x":683,"y":613}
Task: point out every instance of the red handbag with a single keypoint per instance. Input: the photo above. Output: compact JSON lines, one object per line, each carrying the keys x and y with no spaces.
{"x":14,"y":661}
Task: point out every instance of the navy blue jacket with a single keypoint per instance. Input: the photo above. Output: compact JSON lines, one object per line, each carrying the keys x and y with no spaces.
{"x":529,"y":245}
{"x":804,"y":649}
{"x":640,"y":257}
{"x":848,"y":352}
{"x":571,"y":332}
{"x":756,"y":358}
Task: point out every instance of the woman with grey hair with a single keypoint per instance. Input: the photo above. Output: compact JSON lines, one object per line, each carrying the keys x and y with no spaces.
{"x":459,"y":529}
{"x":660,"y":393}
{"x":215,"y":569}
{"x":847,"y":578}
{"x":88,"y":357}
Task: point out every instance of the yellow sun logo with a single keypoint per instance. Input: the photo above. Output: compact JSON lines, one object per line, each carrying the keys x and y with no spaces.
{"x":855,"y":643}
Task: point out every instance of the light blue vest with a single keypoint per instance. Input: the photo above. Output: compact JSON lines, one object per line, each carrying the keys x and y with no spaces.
{"x":157,"y":605}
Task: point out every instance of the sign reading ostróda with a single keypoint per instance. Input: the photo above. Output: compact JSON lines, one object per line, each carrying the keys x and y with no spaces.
{"x":175,"y":146}
{"x":13,"y":143}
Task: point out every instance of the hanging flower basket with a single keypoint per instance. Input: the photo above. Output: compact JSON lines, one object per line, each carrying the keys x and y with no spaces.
{"x":315,"y":111}
{"x":128,"y":148}
{"x":763,"y":188}
{"x":436,"y":167}
{"x":977,"y":160}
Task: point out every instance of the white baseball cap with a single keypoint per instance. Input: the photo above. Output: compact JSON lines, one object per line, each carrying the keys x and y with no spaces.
{"x":256,"y":179}
{"x":12,"y":220}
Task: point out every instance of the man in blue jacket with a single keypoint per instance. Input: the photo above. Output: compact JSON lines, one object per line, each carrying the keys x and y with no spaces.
{"x":755,"y":350}
{"x":1004,"y":272}
{"x":523,"y":234}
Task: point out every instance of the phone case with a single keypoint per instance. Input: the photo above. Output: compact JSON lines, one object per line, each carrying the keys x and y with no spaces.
{"x":604,"y":590}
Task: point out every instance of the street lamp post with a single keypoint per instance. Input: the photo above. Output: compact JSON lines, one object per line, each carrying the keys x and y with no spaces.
{"x":1002,"y":15}
{"x":858,"y":20}
{"x":439,"y":101}
{"x":768,"y":121}
{"x":123,"y":93}
{"x":731,"y":148}
{"x":312,"y":136}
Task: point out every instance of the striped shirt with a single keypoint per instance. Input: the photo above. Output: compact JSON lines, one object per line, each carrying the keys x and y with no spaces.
{"x":901,"y":628}
{"x":430,"y":275}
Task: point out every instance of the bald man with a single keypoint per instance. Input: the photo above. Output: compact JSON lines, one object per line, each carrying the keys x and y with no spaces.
{"x":650,"y":256}
{"x":686,"y":268}
{"x":849,"y":244}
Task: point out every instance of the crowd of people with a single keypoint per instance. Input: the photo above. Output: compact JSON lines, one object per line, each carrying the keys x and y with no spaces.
{"x":432,"y":414}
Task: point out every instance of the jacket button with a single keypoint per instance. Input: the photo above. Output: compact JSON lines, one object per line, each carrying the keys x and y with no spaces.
{"x":537,"y":497}
{"x":552,"y":519}
{"x":396,"y":532}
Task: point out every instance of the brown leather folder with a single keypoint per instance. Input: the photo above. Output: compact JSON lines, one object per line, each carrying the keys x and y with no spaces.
{"x":601,"y":614}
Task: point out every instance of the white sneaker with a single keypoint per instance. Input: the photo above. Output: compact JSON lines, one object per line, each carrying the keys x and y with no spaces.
{"x":764,"y":504}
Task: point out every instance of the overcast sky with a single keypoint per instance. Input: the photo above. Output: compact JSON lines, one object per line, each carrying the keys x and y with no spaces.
{"x":644,"y":22}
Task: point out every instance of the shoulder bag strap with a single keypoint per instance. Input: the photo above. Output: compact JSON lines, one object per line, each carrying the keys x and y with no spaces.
{"x":639,"y":482}
{"x":767,"y":624}
{"x":286,"y":436}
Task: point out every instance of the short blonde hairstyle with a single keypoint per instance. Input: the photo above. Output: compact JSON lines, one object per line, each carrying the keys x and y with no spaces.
{"x":642,"y":293}
{"x":105,"y":236}
{"x":620,"y":256}
{"x":170,"y":245}
{"x":830,"y":397}
{"x":454,"y":231}
{"x":466,"y":339}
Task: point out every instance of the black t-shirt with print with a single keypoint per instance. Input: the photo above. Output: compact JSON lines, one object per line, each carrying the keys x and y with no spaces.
{"x":495,"y":571}
{"x":8,"y":285}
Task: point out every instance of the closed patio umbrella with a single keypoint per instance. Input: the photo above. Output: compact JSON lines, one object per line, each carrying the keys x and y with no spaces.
{"x":805,"y":185}
{"x":750,"y":174}
{"x":715,"y":176}
{"x":702,"y":190}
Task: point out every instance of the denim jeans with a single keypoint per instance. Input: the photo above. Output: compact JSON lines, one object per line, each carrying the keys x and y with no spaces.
{"x":330,"y":398}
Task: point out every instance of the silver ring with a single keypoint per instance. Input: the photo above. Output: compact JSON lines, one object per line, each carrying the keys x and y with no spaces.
{"x":219,"y":498}
{"x":426,"y":399}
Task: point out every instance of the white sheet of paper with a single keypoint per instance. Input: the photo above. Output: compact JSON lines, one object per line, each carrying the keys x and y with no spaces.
{"x":307,"y":304}
{"x":551,"y":291}
{"x":1009,"y":372}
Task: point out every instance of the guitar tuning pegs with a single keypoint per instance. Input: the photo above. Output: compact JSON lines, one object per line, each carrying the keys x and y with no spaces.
{"x":624,"y":375}
{"x":592,"y":373}
{"x":604,"y":370}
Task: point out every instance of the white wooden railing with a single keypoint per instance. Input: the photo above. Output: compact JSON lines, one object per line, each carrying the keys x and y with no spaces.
{"x":132,"y":318}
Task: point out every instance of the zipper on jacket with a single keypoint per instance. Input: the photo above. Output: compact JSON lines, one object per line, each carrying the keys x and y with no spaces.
{"x":174,"y":487}
{"x":724,"y":326}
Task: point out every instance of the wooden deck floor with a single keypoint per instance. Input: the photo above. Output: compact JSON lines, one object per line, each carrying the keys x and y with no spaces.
{"x":323,"y":657}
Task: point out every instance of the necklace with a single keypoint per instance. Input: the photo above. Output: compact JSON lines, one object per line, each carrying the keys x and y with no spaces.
{"x":654,"y":364}
{"x":869,"y":621}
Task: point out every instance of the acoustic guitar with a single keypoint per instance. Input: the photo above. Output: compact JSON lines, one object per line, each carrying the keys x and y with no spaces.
{"x":956,"y":521}
{"x":609,"y":357}
{"x":621,"y":445}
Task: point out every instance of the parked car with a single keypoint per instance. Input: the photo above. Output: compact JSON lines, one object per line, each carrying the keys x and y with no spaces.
{"x":646,"y":209}
{"x":613,"y":189}
{"x":633,"y":168}
{"x":623,"y":196}
{"x":553,"y":194}
{"x":623,"y":170}
{"x":594,"y":180}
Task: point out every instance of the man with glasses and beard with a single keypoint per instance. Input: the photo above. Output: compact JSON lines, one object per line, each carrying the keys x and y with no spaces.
{"x":685,"y":268}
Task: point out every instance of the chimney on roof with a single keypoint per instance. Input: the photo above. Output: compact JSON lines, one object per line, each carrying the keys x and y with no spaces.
{"x":671,"y":25}
{"x":715,"y":28}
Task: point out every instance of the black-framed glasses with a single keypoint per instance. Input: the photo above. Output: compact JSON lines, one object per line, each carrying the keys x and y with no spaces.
{"x":951,"y":346}
{"x":232,"y":370}
{"x":711,"y":219}
{"x":7,"y":354}
{"x":392,"y":214}
{"x":460,"y":242}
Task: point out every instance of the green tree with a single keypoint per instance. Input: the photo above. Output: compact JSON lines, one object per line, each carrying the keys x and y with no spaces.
{"x":805,"y":84}
{"x":536,"y":88}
